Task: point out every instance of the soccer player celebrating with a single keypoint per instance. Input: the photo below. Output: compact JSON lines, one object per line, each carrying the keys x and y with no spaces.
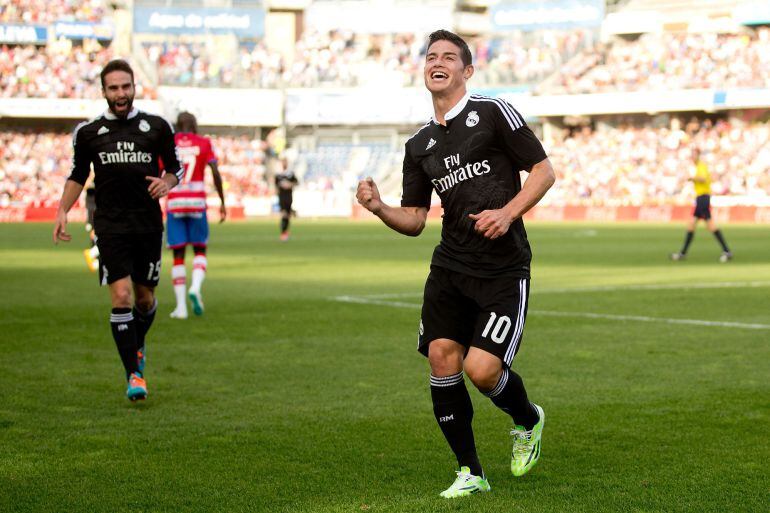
{"x":124,"y":145}
{"x":187,"y":222}
{"x":475,"y":299}
{"x":285,"y":181}
{"x":702,"y":182}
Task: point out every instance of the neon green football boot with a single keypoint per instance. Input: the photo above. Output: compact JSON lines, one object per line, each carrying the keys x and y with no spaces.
{"x":526,"y":445}
{"x":466,"y":484}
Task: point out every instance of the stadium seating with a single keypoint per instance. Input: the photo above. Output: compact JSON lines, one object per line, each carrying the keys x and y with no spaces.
{"x":621,"y":165}
{"x":44,"y":12}
{"x":61,"y":70}
{"x":636,"y":165}
{"x":35,"y":165}
{"x":342,"y":59}
{"x":342,"y":165}
{"x":669,"y":61}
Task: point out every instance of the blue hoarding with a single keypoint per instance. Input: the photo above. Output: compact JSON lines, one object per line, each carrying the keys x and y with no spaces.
{"x":546,"y":14}
{"x":83,"y":30}
{"x":23,"y":34}
{"x":244,"y":23}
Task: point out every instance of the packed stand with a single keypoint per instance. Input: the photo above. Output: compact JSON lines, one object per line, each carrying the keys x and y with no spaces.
{"x":35,"y":165}
{"x":59,"y":70}
{"x":623,"y":165}
{"x":345,"y":59}
{"x":669,"y":61}
{"x":526,"y":58}
{"x":242,"y":163}
{"x":636,"y":165}
{"x":46,"y":12}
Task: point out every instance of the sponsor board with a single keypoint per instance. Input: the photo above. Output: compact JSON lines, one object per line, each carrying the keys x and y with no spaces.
{"x":23,"y":34}
{"x":47,"y":214}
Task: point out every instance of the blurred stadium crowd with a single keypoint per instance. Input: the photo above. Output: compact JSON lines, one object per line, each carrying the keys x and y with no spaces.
{"x":567,"y":62}
{"x":637,"y":161}
{"x":345,"y":59}
{"x":622,"y":165}
{"x":50,"y":11}
{"x":36,"y":165}
{"x":635,"y":165}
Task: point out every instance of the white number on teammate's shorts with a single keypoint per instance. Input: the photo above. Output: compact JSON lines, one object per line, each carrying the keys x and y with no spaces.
{"x":154,"y":273}
{"x":500,"y":330}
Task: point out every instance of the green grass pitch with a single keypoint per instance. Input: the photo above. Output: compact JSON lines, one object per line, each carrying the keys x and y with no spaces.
{"x":283,"y":398}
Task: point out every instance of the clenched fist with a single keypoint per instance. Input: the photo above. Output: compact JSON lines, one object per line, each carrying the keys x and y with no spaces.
{"x":368,"y":195}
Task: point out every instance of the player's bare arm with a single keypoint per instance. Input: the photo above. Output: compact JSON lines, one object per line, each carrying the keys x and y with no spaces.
{"x":159,"y":187}
{"x":72,"y":191}
{"x":220,"y":191}
{"x":495,"y":223}
{"x":405,"y":220}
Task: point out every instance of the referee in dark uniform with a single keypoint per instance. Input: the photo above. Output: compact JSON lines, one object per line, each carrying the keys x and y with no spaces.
{"x":475,"y":299}
{"x":124,"y":145}
{"x":285,"y":181}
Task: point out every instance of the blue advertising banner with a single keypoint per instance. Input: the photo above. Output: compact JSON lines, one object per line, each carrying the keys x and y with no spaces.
{"x":84,"y":30}
{"x":531,"y":15}
{"x":23,"y":34}
{"x":244,"y":23}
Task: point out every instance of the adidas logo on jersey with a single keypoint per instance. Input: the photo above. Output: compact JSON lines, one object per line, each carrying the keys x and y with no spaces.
{"x":431,"y":144}
{"x":103,"y":130}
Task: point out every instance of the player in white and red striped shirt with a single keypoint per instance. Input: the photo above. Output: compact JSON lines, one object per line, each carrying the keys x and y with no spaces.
{"x":186,"y":212}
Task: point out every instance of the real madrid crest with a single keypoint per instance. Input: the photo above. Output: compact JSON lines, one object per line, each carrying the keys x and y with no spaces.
{"x":472,"y":119}
{"x":144,"y":126}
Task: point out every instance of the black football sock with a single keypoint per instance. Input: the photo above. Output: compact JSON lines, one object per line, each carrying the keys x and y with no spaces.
{"x":687,"y":241}
{"x":453,"y":409}
{"x":124,"y":333}
{"x":510,"y":396}
{"x":718,"y":235}
{"x":143,"y":322}
{"x":284,"y":224}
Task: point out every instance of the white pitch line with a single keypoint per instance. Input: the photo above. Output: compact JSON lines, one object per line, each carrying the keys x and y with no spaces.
{"x":644,"y":318}
{"x":589,"y":315}
{"x":657,"y":286}
{"x":367,"y":301}
{"x":607,"y":288}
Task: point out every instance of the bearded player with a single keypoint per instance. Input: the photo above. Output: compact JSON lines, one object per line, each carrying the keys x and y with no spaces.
{"x":125,"y":147}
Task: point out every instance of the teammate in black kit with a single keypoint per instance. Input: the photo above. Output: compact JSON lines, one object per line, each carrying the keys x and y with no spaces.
{"x":285,"y":181}
{"x":475,"y":299}
{"x":124,"y":144}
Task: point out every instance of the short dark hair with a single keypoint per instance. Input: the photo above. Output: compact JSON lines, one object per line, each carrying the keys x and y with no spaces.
{"x":445,"y":35}
{"x":116,"y":65}
{"x":186,"y":122}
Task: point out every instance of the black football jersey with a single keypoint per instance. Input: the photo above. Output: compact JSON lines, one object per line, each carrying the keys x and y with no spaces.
{"x":286,"y":179}
{"x":473,"y":164}
{"x":124,"y":152}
